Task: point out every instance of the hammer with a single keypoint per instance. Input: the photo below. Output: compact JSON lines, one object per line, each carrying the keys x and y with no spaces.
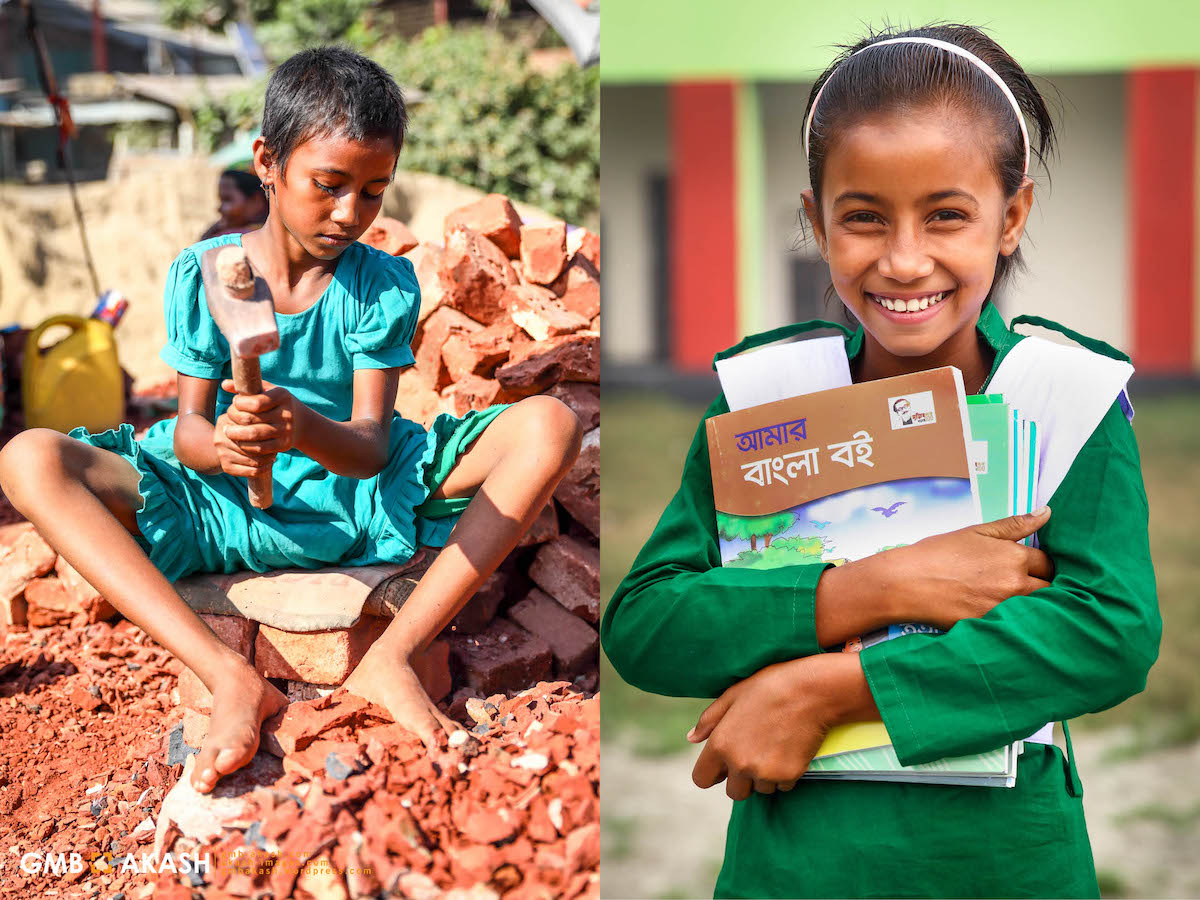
{"x":244,"y":310}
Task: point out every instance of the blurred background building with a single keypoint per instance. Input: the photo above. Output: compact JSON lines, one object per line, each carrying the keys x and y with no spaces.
{"x":703,"y":168}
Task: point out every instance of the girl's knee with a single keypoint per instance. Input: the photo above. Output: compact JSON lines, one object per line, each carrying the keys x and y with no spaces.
{"x":554,"y":423}
{"x":29,"y":458}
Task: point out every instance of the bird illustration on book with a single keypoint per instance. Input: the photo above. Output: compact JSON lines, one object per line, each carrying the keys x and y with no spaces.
{"x":890,"y":511}
{"x":820,"y":525}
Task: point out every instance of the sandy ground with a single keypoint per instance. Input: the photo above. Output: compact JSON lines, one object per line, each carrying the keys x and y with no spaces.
{"x":663,"y":837}
{"x":137,"y":222}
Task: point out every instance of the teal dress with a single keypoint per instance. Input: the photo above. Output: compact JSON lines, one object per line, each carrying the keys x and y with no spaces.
{"x":365,"y":319}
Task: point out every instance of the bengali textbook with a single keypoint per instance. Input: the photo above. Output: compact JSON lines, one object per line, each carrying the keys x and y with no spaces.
{"x":840,"y":474}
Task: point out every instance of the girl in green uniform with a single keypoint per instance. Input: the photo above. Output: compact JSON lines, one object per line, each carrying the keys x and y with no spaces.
{"x":918,"y":148}
{"x":354,"y":482}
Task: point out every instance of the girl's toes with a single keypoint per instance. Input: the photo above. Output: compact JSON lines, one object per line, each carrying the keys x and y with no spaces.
{"x":204,"y":772}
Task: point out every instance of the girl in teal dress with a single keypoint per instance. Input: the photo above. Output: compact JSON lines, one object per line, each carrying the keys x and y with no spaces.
{"x":354,"y":482}
{"x":918,"y":148}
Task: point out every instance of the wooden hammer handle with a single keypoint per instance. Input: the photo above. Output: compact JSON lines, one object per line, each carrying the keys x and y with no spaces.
{"x":247,"y":378}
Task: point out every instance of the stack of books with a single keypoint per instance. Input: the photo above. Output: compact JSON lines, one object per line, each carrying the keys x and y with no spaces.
{"x":839,"y":474}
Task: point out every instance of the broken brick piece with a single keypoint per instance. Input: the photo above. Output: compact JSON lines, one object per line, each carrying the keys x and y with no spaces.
{"x":29,"y":557}
{"x":495,"y":218}
{"x":578,"y":288}
{"x":504,"y":657}
{"x":569,"y":571}
{"x":427,"y":260}
{"x":431,"y":337}
{"x":584,"y":243}
{"x":542,"y":316}
{"x":14,"y":611}
{"x":569,"y":357}
{"x":320,"y":657}
{"x":48,"y":602}
{"x":389,"y":235}
{"x":86,"y":598}
{"x":543,"y":251}
{"x":583,"y":398}
{"x":573,"y":642}
{"x":579,"y":491}
{"x":192,"y":692}
{"x":473,"y":392}
{"x":195,"y":728}
{"x":544,"y":527}
{"x":299,"y":724}
{"x":475,"y":274}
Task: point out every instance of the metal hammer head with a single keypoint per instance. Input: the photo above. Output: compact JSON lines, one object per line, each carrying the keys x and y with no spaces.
{"x":243,"y":309}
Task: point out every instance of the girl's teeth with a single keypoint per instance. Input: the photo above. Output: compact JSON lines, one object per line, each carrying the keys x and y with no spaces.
{"x":910,"y":305}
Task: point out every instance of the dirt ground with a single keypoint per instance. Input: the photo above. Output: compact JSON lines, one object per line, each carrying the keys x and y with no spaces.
{"x":1143,"y":817}
{"x":137,"y":222}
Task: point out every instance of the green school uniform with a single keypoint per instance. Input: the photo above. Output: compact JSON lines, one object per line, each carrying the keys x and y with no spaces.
{"x":680,"y":624}
{"x":364,"y":319}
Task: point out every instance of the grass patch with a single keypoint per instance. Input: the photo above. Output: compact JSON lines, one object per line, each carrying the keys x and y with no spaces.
{"x":620,"y":837}
{"x":1112,"y":885}
{"x":1179,"y":820}
{"x":647,"y":436}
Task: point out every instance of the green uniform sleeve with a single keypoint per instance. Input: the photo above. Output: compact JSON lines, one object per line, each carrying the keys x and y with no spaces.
{"x":680,"y":624}
{"x":1081,"y":645}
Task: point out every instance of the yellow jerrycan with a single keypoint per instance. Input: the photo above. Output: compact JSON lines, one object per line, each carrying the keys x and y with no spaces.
{"x":76,"y":382}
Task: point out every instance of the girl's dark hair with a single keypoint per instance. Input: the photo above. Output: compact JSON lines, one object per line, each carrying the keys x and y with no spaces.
{"x":246,"y":182}
{"x":912,"y":76}
{"x":325,"y":91}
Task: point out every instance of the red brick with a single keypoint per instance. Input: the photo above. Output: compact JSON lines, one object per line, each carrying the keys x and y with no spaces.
{"x":578,"y":288}
{"x":579,"y":491}
{"x":28,"y":558}
{"x":540,"y":314}
{"x":48,"y":602}
{"x":583,"y":398}
{"x":569,"y":571}
{"x":14,"y":611}
{"x":235,"y":632}
{"x":427,"y":260}
{"x":473,"y":392}
{"x":584,"y":243}
{"x":431,"y":338}
{"x":569,"y":357}
{"x":544,"y":527}
{"x":86,"y":598}
{"x":481,"y":608}
{"x":319,"y":657}
{"x":475,"y":274}
{"x":543,"y":251}
{"x":389,"y":235}
{"x":299,"y":724}
{"x":479,"y":352}
{"x":492,"y":216}
{"x":573,"y":642}
{"x":415,"y":399}
{"x":505,"y":657}
{"x":192,"y":692}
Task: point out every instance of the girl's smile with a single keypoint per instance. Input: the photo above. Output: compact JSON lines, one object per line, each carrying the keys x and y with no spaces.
{"x":912,"y":219}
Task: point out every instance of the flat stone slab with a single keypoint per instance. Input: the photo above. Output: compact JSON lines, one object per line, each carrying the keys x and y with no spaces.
{"x":304,"y":600}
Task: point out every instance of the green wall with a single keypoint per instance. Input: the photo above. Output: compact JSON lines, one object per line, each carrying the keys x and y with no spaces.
{"x":671,"y":40}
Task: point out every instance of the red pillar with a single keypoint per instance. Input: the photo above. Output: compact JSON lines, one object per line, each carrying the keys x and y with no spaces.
{"x":1161,"y":130}
{"x":703,"y":228}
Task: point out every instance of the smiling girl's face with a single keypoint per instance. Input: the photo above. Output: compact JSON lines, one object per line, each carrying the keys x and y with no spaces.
{"x":331,"y":190}
{"x":912,"y":220}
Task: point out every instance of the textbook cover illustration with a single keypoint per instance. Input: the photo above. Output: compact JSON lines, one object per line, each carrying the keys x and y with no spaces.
{"x":840,"y":474}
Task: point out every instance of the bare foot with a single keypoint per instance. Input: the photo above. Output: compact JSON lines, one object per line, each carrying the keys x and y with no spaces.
{"x":240,"y":704}
{"x":387,"y":679}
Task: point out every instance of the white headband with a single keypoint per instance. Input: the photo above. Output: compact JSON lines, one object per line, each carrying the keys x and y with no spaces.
{"x":952,"y":48}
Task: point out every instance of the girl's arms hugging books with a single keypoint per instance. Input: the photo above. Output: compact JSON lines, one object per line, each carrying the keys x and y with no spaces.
{"x":680,"y":624}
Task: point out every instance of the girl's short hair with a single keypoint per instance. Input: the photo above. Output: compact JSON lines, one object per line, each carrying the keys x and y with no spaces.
{"x":909,"y":76}
{"x":327,"y":91}
{"x":246,"y":182}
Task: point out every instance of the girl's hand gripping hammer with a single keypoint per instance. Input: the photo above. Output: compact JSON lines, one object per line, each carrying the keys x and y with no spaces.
{"x":244,"y":310}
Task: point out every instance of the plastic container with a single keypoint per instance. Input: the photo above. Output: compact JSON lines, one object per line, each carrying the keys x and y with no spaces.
{"x":76,"y":382}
